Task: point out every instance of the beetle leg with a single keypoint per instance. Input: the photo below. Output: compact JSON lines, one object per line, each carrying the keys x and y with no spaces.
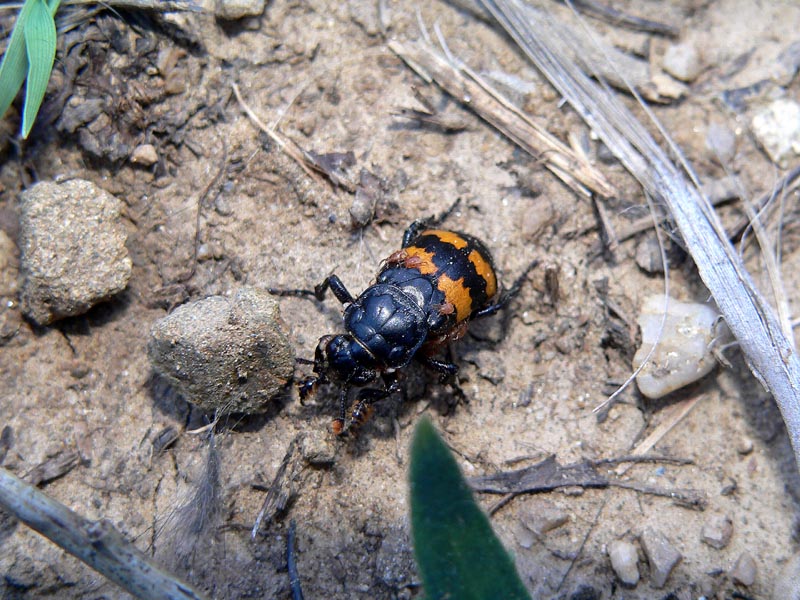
{"x":445,"y":369}
{"x":331,"y":282}
{"x":361,"y":409}
{"x":506,"y":296}
{"x":338,"y":425}
{"x":336,"y":286}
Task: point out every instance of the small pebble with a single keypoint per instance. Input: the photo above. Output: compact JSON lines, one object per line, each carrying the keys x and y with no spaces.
{"x":682,"y":352}
{"x":545,"y":519}
{"x":238,"y":9}
{"x":625,"y":562}
{"x":661,"y":555}
{"x":648,"y":255}
{"x":362,"y":210}
{"x":682,"y":61}
{"x":777,"y":129}
{"x":145,"y":155}
{"x":717,"y":531}
{"x":317,"y":449}
{"x":744,"y":446}
{"x":744,"y":571}
{"x":721,"y":143}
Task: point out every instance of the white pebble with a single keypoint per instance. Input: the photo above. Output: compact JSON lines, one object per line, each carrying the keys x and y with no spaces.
{"x":777,"y":129}
{"x":721,"y":142}
{"x":682,"y":353}
{"x":682,"y":61}
{"x":624,"y":561}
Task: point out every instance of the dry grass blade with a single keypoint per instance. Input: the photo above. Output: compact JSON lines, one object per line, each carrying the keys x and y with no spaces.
{"x":96,"y":543}
{"x":467,"y":86}
{"x":771,"y":355}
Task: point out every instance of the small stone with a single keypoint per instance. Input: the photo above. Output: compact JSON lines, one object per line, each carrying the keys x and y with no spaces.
{"x":744,"y":446}
{"x":625,"y":562}
{"x":362,"y":210}
{"x":682,"y":61}
{"x":545,"y":519}
{"x":721,"y":143}
{"x":682,"y":343}
{"x":648,"y":255}
{"x":717,"y":531}
{"x":224,"y":355}
{"x":777,"y":129}
{"x":787,"y":585}
{"x":231,"y":10}
{"x":661,"y":556}
{"x":744,"y":571}
{"x":145,"y":155}
{"x":525,"y":537}
{"x":317,"y":450}
{"x":72,"y":249}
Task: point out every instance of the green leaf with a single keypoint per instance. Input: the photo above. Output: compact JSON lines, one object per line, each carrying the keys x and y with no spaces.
{"x":15,"y":62}
{"x":40,"y":44}
{"x":457,"y":553}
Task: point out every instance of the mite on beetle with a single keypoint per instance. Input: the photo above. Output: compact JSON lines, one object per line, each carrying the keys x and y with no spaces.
{"x":423,"y":298}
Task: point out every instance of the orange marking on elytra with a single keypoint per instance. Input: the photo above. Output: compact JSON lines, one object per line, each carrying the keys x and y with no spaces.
{"x":456,"y":294}
{"x":448,"y":237}
{"x":422,"y":260}
{"x":485,"y":271}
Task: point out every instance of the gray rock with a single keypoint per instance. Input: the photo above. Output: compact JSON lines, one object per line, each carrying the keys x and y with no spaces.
{"x":661,"y":556}
{"x":717,"y":531}
{"x":682,"y":61}
{"x":777,"y":129}
{"x":238,"y":9}
{"x":225,"y":355}
{"x":72,"y":249}
{"x":787,"y":585}
{"x":744,"y":571}
{"x":625,"y":562}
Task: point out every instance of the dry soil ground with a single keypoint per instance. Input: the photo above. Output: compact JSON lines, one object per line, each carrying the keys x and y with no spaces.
{"x":223,"y":207}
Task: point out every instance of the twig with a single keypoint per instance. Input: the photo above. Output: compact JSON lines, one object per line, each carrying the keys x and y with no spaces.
{"x":291,"y":565}
{"x":287,"y":145}
{"x":468,"y":87}
{"x":96,"y":543}
{"x":548,"y":475}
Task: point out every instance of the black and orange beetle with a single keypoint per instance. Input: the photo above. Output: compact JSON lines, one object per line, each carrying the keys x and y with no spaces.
{"x":424,"y":297}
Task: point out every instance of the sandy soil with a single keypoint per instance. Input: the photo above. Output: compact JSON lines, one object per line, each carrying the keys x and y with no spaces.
{"x":223,"y":207}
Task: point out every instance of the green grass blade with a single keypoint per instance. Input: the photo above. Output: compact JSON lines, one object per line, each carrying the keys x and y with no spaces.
{"x":14,"y":67}
{"x":40,"y":43}
{"x":457,"y":553}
